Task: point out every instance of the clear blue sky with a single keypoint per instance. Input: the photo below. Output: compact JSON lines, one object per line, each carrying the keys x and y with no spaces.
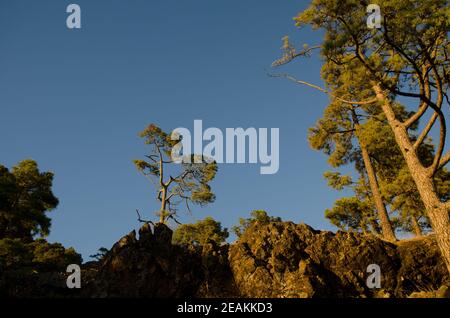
{"x":75,"y":100}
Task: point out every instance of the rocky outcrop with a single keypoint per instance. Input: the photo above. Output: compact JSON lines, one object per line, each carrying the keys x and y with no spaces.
{"x":152,"y":267}
{"x":277,"y":259}
{"x":284,"y":259}
{"x":422,"y":267}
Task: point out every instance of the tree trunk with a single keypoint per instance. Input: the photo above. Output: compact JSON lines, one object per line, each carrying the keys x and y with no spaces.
{"x":437,"y":211}
{"x":162,"y":212}
{"x":416,"y":226}
{"x":383,"y":216}
{"x":386,"y":227}
{"x":440,"y":222}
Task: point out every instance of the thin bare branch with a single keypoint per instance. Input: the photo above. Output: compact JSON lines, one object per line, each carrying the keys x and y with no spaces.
{"x":142,"y":220}
{"x":291,"y":54}
{"x":424,"y":106}
{"x":293,"y":79}
{"x":171,"y":216}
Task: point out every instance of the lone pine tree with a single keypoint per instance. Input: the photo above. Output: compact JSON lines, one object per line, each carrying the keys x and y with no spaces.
{"x":175,"y":182}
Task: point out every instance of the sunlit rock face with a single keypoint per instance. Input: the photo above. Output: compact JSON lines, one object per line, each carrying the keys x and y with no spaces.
{"x":284,"y":259}
{"x":277,"y":259}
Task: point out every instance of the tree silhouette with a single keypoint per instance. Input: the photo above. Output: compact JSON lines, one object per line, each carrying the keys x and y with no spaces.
{"x":25,"y":198}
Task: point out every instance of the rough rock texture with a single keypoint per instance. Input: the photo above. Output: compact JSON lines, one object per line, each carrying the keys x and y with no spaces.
{"x":279,"y":259}
{"x":422,"y":266}
{"x":288,"y":260}
{"x":153,"y":267}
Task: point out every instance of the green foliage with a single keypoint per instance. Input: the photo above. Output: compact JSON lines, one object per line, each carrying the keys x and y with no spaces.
{"x":200,"y":233}
{"x":442,"y":180}
{"x":351,"y":214}
{"x":256,"y":216}
{"x":25,"y":197}
{"x":395,"y":182}
{"x":14,"y":253}
{"x":22,"y":261}
{"x":336,"y":180}
{"x":411,"y":43}
{"x":102,"y":251}
{"x":39,"y":255}
{"x":334,"y":135}
{"x":176,"y":182}
{"x":53,"y":256}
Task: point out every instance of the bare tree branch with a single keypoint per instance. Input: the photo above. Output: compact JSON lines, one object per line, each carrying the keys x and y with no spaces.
{"x":142,"y":220}
{"x":174,"y":219}
{"x":291,"y":54}
{"x":293,"y":79}
{"x":423,"y":107}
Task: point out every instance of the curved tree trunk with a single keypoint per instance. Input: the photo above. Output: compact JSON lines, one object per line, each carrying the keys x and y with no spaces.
{"x":437,"y":211}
